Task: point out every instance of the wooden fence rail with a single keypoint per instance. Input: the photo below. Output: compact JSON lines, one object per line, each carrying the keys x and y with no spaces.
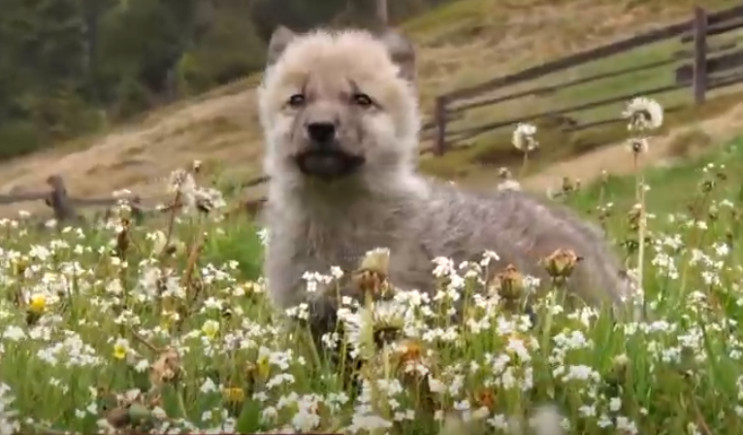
{"x":66,"y":207}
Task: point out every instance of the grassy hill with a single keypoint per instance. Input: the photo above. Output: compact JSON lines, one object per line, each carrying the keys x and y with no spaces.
{"x":459,"y":44}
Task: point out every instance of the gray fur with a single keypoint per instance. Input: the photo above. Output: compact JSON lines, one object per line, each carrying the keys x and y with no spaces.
{"x":312,"y":231}
{"x":314,"y":224}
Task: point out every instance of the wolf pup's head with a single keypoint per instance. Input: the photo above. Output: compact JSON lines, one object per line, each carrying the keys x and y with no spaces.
{"x":339,"y":106}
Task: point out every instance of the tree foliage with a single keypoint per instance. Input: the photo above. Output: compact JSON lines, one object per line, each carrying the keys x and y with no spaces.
{"x":70,"y":66}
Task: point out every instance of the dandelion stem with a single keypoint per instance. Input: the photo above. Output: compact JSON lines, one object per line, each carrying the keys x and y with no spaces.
{"x":637,"y":176}
{"x":171,"y":222}
{"x":548,"y":319}
{"x":313,"y":347}
{"x":524,"y":164}
{"x":144,"y":341}
{"x":181,"y":403}
{"x":641,"y":234}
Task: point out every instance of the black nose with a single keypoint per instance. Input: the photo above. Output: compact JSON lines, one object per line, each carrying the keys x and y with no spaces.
{"x":322,"y":132}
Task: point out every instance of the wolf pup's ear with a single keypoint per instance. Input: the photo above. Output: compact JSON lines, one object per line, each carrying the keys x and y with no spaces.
{"x":280,"y":38}
{"x":401,"y":51}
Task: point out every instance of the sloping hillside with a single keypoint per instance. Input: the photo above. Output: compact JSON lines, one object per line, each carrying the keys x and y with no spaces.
{"x":459,"y":44}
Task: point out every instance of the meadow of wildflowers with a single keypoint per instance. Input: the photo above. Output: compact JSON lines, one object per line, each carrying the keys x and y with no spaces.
{"x":166,"y":326}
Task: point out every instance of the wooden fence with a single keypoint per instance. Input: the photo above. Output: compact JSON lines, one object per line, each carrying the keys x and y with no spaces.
{"x":700,"y":65}
{"x":65,"y":207}
{"x":704,"y":66}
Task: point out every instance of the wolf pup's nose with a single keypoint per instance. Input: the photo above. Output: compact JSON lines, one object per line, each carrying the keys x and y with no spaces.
{"x":321,"y":132}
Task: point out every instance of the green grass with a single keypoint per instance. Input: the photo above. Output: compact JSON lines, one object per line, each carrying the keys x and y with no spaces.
{"x":431,"y":23}
{"x":673,"y":188}
{"x":100,"y":325}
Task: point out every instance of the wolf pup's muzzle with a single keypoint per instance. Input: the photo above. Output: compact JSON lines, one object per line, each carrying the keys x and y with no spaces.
{"x":324,"y":158}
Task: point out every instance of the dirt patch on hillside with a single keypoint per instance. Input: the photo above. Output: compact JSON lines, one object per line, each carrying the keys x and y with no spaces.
{"x":616,"y":159}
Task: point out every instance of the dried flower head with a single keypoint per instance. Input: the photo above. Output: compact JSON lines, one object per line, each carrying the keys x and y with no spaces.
{"x":569,"y":186}
{"x":370,"y":282}
{"x":510,"y":283}
{"x":523,"y":137}
{"x":560,"y":264}
{"x":233,"y":395}
{"x":643,"y":114}
{"x":507,"y":182}
{"x":486,"y":398}
{"x":167,"y":368}
{"x":409,"y":350}
{"x":371,"y":277}
{"x":707,"y":185}
{"x":181,"y":181}
{"x":377,"y":260}
{"x":208,"y":199}
{"x":619,"y":367}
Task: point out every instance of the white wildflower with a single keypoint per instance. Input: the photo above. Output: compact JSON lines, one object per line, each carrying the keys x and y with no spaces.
{"x":523,"y":137}
{"x":643,"y":113}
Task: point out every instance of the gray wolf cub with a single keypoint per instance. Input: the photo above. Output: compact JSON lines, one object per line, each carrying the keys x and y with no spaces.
{"x":340,"y":118}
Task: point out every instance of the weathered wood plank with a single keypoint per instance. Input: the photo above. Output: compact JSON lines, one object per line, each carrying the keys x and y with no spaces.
{"x":719,"y":29}
{"x":23,"y":197}
{"x":734,"y":59}
{"x":431,"y":123}
{"x":475,"y":131}
{"x":726,"y":80}
{"x":560,"y":86}
{"x":573,"y":60}
{"x":593,"y":54}
{"x":440,"y":117}
{"x":102,"y":202}
{"x":714,"y":83}
{"x":699,"y":82}
{"x":59,"y":201}
{"x":687,"y":54}
{"x":256,"y":181}
{"x":617,"y":120}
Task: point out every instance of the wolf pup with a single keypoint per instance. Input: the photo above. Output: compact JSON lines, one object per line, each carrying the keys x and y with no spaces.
{"x":340,"y":118}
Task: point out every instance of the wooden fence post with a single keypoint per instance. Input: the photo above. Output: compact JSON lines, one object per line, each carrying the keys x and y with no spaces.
{"x":59,"y":201}
{"x":382,"y":12}
{"x":439,"y":147}
{"x":699,"y":82}
{"x":136,"y":205}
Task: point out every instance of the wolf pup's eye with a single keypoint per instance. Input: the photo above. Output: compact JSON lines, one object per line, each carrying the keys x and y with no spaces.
{"x":362,"y":100}
{"x":296,"y":100}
